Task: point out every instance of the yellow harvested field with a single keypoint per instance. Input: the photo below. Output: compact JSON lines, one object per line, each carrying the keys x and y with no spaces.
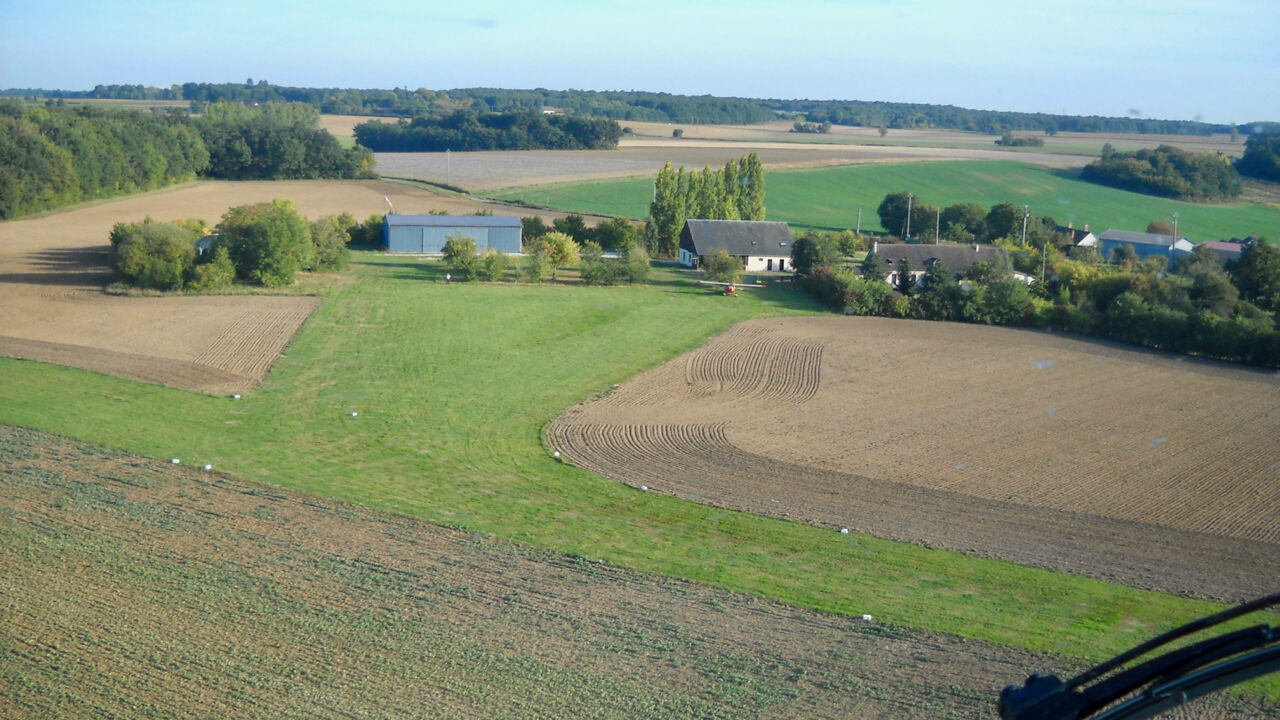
{"x":53,"y":308}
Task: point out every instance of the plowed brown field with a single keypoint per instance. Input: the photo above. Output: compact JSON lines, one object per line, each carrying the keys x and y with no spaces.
{"x":1074,"y":455}
{"x":53,"y":270}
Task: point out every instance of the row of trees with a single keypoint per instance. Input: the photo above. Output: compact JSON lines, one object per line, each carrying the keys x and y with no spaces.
{"x":1196,"y":307}
{"x":464,"y":130}
{"x":964,"y":222}
{"x":1166,"y":171}
{"x":735,"y":192}
{"x":544,"y":256}
{"x":53,"y":156}
{"x":264,"y":244}
{"x":658,"y":107}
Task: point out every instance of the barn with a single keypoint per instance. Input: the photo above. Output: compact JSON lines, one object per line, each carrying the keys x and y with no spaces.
{"x":427,"y":233}
{"x":758,"y":244}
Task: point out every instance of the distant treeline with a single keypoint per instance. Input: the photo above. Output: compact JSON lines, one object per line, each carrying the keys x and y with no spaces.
{"x":52,"y":156}
{"x":465,"y":130}
{"x":1167,"y":172}
{"x":658,"y":107}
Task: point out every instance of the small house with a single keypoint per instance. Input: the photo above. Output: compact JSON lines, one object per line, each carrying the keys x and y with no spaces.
{"x":760,"y":245}
{"x":1224,"y":251}
{"x":428,"y":233}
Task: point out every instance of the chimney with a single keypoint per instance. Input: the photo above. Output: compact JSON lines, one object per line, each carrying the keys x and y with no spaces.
{"x":875,"y":246}
{"x":1071,"y":224}
{"x":1086,"y":227}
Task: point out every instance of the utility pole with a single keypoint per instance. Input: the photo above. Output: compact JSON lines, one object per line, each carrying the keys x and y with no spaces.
{"x":1026,"y":213}
{"x":1175,"y":227}
{"x":907,"y":234}
{"x":858,"y":231}
{"x":448,"y":168}
{"x":937,"y":227}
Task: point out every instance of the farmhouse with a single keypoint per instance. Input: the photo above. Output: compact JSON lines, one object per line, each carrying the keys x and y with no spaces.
{"x":959,"y":258}
{"x":1144,"y":244}
{"x":427,"y":233}
{"x":1081,"y":237}
{"x":758,"y":244}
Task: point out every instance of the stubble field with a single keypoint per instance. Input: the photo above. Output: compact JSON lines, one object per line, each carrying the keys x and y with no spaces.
{"x":1062,"y":453}
{"x":138,"y":588}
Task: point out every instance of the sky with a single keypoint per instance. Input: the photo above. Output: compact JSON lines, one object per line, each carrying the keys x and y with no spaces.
{"x":1217,"y":61}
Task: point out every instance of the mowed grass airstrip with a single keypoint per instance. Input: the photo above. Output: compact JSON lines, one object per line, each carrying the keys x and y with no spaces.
{"x":829,"y":198}
{"x":407,"y":394}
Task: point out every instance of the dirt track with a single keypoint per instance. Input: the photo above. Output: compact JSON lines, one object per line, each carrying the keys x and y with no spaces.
{"x":1067,"y":454}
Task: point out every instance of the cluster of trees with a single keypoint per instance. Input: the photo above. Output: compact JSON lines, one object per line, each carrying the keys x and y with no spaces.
{"x":1166,"y":171}
{"x":1198,"y":307}
{"x":544,"y":256}
{"x":264,"y":244}
{"x":611,"y":234}
{"x":54,"y":156}
{"x":657,"y":107}
{"x":466,"y":130}
{"x":1261,"y":157}
{"x":964,"y":223}
{"x":821,"y":128}
{"x":735,"y":192}
{"x":276,"y":141}
{"x":1010,"y":140}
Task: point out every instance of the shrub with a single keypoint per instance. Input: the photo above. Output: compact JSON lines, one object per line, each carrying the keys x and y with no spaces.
{"x":720,"y":266}
{"x":330,"y":240}
{"x":152,"y":254}
{"x":218,"y":272}
{"x":635,"y":263}
{"x":596,"y":270}
{"x":493,"y":265}
{"x":460,"y":256}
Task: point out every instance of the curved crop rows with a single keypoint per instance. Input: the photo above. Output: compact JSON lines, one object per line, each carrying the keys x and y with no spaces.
{"x":1063,"y":454}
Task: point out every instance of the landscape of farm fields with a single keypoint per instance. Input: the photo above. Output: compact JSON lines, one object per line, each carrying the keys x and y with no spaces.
{"x":53,"y":308}
{"x":338,"y":610}
{"x":830,"y":197}
{"x":1058,"y":452}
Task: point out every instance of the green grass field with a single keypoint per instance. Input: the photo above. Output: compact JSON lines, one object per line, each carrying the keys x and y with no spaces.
{"x":829,"y":198}
{"x":452,"y":383}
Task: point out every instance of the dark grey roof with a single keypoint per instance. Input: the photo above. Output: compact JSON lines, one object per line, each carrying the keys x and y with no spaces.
{"x":453,"y":220}
{"x":1076,"y":234}
{"x":1138,"y":238}
{"x":737,"y":237}
{"x":960,"y":258}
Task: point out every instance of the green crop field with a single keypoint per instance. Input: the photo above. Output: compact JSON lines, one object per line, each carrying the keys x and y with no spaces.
{"x":450,"y":385}
{"x":829,"y":198}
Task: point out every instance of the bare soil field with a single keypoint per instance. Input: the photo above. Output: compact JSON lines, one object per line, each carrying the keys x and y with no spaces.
{"x":53,"y":270}
{"x":494,"y":170}
{"x":138,"y":588}
{"x":1141,"y":468}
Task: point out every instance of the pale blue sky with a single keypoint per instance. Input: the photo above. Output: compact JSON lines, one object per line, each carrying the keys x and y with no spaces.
{"x":1181,"y":59}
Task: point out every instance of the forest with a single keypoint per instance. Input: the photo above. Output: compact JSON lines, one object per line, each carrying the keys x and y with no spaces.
{"x":52,"y":155}
{"x":466,"y":130}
